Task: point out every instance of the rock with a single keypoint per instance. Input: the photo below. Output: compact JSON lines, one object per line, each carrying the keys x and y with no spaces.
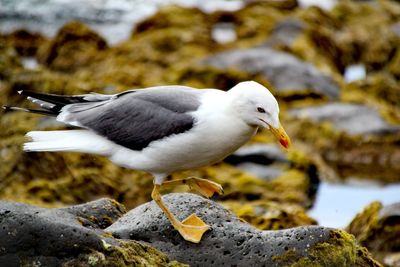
{"x":259,"y":160}
{"x":287,"y":73}
{"x":201,"y":76}
{"x":348,"y":141}
{"x":377,"y":228}
{"x":25,"y":42}
{"x":280,"y":4}
{"x":269,"y":215}
{"x":231,"y":242}
{"x":174,"y":17}
{"x":74,"y":46}
{"x":102,"y":212}
{"x":252,"y":23}
{"x":285,"y":33}
{"x":351,"y":118}
{"x":32,"y":236}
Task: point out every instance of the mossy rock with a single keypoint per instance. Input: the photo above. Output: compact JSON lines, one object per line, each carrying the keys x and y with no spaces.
{"x":146,"y":59}
{"x":201,"y":76}
{"x":339,"y":250}
{"x":366,"y":157}
{"x":352,"y":32}
{"x":26,"y":43}
{"x":377,"y":227}
{"x":10,"y":61}
{"x":125,"y":254}
{"x":380,"y":90}
{"x":74,"y":46}
{"x":253,"y":23}
{"x":57,"y":179}
{"x":174,"y":17}
{"x":270,"y":215}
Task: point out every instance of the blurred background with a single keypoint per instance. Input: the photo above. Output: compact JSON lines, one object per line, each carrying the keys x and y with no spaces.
{"x":334,"y":67}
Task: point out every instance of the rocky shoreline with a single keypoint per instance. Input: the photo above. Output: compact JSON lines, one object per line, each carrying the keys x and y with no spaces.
{"x":100,"y":233}
{"x":341,"y":131}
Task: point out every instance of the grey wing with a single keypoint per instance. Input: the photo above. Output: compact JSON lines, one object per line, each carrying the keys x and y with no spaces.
{"x":134,"y":119}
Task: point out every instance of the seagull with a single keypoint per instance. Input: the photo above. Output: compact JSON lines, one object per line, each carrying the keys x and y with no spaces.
{"x":160,"y":130}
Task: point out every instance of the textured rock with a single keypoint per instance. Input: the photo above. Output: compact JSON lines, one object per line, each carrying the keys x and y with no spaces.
{"x":231,"y":242}
{"x":74,"y":46}
{"x":352,"y":118}
{"x":259,"y":160}
{"x":285,"y":33}
{"x":32,"y":236}
{"x":265,"y":161}
{"x":377,"y":227}
{"x":286,"y":72}
{"x":26,"y":43}
{"x":102,"y":212}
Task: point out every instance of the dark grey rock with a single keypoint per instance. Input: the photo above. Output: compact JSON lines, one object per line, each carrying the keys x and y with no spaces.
{"x":390,"y":213}
{"x":285,"y":71}
{"x":32,"y":236}
{"x":351,"y":118}
{"x":100,"y":213}
{"x":285,"y":33}
{"x":230,"y":242}
{"x":27,"y":231}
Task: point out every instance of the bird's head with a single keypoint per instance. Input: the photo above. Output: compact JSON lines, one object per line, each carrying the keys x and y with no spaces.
{"x":256,"y":106}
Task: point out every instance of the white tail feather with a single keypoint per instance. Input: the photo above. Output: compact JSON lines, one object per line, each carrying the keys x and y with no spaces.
{"x":69,"y":141}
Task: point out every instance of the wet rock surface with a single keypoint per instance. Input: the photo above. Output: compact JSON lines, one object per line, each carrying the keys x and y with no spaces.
{"x":230,"y":241}
{"x":53,"y":237}
{"x":70,"y":236}
{"x":259,"y":160}
{"x":351,"y":118}
{"x":284,"y":71}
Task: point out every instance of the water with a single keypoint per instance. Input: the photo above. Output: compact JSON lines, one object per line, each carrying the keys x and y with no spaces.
{"x":337,"y":204}
{"x":355,"y":72}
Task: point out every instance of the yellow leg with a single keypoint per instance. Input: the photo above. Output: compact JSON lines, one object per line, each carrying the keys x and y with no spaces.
{"x":191,"y":229}
{"x":205,"y":187}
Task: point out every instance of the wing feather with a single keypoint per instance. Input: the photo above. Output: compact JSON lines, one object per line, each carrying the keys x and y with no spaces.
{"x":137,"y":118}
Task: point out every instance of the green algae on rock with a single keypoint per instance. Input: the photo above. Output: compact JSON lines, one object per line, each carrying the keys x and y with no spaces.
{"x":366,"y":155}
{"x":351,"y":32}
{"x":253,"y":23}
{"x":340,"y":249}
{"x":277,"y":204}
{"x":74,"y":46}
{"x":269,"y":215}
{"x":377,"y":228}
{"x":233,"y":242}
{"x":26,"y":43}
{"x":125,"y":254}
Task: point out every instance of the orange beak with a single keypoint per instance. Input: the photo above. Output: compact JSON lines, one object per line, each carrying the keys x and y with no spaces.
{"x":281,"y":135}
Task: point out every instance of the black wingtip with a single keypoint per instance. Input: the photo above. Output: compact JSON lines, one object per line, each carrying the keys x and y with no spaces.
{"x":37,"y":111}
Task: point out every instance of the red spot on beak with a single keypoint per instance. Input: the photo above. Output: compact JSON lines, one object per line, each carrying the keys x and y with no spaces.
{"x":284,"y":143}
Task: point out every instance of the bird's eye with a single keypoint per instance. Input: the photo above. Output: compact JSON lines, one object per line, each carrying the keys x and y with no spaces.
{"x":261,"y":110}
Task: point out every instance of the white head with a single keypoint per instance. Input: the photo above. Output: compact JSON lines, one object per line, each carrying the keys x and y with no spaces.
{"x":256,"y":106}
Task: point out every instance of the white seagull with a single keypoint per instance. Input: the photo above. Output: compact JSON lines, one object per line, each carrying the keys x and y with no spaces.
{"x":160,"y":130}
